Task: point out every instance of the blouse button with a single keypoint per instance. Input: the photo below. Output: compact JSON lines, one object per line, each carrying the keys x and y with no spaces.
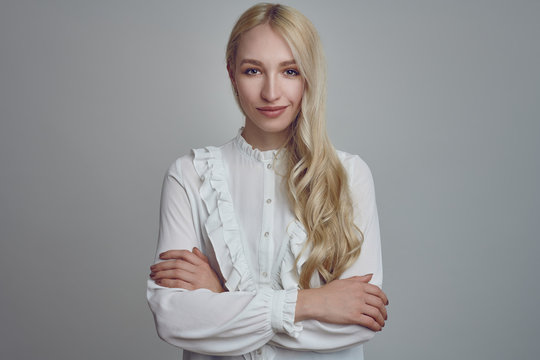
{"x":268,"y":201}
{"x":265,"y":274}
{"x":267,"y":234}
{"x":269,"y":166}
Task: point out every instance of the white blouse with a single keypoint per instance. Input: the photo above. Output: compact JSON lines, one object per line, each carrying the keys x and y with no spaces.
{"x":231,"y":203}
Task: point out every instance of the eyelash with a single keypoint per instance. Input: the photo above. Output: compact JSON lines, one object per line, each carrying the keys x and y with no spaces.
{"x":294,"y":72}
{"x":288,"y":72}
{"x":251,"y":71}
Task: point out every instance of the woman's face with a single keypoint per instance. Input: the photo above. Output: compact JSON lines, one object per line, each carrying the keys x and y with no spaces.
{"x":269,"y":85}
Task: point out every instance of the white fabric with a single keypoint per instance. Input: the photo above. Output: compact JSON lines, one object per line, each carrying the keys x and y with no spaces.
{"x":230,"y":202}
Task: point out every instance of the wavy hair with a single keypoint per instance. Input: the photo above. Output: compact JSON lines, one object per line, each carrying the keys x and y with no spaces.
{"x":317,"y":183}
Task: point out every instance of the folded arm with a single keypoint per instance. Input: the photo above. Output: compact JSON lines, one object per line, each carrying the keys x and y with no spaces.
{"x":341,"y":324}
{"x":341,"y":314}
{"x":203,"y":321}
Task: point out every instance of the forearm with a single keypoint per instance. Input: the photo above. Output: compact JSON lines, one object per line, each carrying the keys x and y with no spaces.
{"x":351,"y":301}
{"x":324,"y":337}
{"x":308,"y":305}
{"x":336,"y":316}
{"x":230,"y":323}
{"x":317,"y":335}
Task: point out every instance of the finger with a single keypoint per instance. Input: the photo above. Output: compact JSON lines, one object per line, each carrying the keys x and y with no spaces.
{"x":174,"y":275}
{"x":384,"y":298}
{"x":375,"y":290}
{"x":174,"y":254}
{"x":365,"y":278}
{"x":179,"y":284}
{"x":369,"y":322}
{"x":173,"y":264}
{"x":181,"y":255}
{"x":199,"y":253}
{"x":378,"y":303}
{"x":374,"y":313}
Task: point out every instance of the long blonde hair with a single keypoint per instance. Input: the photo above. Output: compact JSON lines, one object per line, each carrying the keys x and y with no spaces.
{"x":317,"y":183}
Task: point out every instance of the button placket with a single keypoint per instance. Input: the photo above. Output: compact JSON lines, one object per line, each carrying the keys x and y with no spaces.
{"x":266,"y":248}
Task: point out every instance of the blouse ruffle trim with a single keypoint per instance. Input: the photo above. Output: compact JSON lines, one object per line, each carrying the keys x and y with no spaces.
{"x":287,"y":313}
{"x":221,"y":225}
{"x":252,"y":152}
{"x":283,"y":310}
{"x":290,"y":269}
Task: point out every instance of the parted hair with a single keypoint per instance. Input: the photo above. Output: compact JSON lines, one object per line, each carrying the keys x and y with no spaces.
{"x":317,"y":183}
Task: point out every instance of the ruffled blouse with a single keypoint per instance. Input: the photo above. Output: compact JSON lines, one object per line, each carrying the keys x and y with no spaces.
{"x":231,"y":202}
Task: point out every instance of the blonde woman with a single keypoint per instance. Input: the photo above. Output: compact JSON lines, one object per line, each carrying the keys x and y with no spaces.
{"x":269,"y":245}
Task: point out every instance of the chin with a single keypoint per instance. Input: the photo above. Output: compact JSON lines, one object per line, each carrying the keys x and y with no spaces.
{"x":276,"y":125}
{"x":273,"y":127}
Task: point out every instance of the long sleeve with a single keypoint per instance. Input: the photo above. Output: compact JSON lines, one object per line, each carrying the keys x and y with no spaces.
{"x":325,"y":337}
{"x":230,"y":323}
{"x":231,"y":203}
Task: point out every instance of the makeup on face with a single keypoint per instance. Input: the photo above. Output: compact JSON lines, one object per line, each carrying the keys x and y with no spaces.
{"x":269,"y":85}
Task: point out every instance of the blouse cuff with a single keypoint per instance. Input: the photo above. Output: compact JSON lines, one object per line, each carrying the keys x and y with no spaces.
{"x":283,"y":311}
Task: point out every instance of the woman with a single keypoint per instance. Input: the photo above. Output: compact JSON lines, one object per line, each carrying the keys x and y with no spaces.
{"x":269,"y":245}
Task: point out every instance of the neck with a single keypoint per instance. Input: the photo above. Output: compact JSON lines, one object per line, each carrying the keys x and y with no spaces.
{"x":263,"y":140}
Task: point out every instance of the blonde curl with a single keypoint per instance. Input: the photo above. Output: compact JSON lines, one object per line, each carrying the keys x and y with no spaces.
{"x":317,"y":183}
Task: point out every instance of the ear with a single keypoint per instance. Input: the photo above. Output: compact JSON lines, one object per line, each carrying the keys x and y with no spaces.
{"x":231,"y":75}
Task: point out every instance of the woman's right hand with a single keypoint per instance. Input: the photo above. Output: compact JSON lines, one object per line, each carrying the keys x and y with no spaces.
{"x":185,"y":269}
{"x":344,"y":301}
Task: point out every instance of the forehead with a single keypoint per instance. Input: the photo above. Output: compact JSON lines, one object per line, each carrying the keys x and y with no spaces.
{"x":264,"y":44}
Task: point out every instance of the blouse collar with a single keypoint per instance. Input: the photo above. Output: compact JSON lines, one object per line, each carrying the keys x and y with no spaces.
{"x":254,"y":153}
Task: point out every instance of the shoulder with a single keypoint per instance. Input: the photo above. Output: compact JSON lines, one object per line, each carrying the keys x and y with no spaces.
{"x":187,"y":168}
{"x":180,"y":168}
{"x":357,"y":169}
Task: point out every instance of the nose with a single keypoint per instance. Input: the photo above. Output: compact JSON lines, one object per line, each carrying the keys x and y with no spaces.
{"x":270,"y":90}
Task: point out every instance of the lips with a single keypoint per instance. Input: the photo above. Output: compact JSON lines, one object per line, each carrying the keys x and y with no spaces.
{"x":272,"y":111}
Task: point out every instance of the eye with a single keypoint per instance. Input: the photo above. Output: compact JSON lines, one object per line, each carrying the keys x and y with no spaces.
{"x":251,"y":71}
{"x":292,"y":72}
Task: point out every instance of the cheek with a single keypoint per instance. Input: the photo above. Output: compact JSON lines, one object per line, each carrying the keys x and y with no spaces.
{"x":247,"y":90}
{"x":296,"y":92}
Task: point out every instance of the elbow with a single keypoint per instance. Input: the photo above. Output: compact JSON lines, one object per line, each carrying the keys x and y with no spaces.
{"x":166,"y":334}
{"x":174,"y":334}
{"x":163,"y":333}
{"x":163,"y":327}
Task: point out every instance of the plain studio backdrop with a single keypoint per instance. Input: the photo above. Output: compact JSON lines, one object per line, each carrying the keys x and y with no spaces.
{"x":97,"y":98}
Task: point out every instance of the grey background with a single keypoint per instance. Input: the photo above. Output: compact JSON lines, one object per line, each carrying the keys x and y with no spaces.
{"x":97,"y":98}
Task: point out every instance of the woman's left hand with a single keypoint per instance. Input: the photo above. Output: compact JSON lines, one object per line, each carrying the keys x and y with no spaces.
{"x":185,"y":269}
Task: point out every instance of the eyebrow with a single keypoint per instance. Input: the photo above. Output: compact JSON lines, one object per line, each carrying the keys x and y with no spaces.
{"x":258,"y":63}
